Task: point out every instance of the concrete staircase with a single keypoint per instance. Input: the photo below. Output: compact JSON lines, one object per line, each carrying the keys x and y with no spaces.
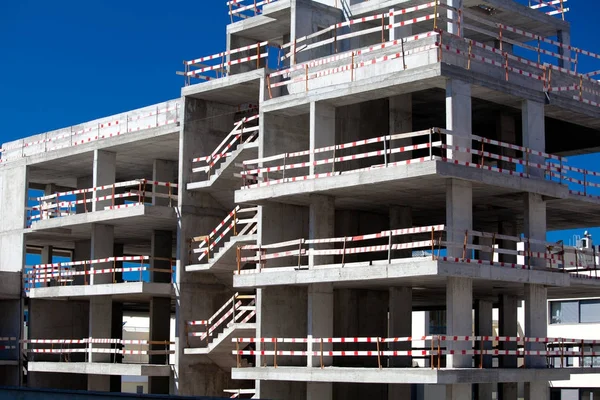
{"x":234,"y":319}
{"x":218,"y":250}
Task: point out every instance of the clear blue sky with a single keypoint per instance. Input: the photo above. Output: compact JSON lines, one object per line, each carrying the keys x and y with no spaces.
{"x":67,"y":62}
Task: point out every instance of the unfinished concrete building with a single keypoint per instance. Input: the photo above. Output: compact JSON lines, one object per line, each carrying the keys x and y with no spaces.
{"x":340,"y":168}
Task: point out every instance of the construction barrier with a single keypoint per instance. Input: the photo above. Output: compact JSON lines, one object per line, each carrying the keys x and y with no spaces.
{"x":138,"y":191}
{"x":232,"y":225}
{"x":239,"y":136}
{"x":239,"y":309}
{"x":474,"y":247}
{"x":430,"y":348}
{"x":64,"y":273}
{"x":89,"y":346}
{"x":147,"y":118}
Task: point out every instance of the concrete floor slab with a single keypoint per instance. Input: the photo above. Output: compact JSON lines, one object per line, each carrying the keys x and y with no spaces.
{"x":126,"y":291}
{"x":132,"y":224}
{"x":399,"y":375}
{"x":100,"y":368}
{"x":233,"y":90}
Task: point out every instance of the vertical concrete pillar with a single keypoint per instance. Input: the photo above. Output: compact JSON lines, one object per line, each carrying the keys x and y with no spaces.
{"x":102,"y":246}
{"x":161,"y":253}
{"x":321,"y":224}
{"x":507,"y":132}
{"x":164,"y":171}
{"x":459,"y":117}
{"x":564,"y":37}
{"x":400,"y":325}
{"x":400,"y":121}
{"x":459,"y":318}
{"x":508,"y":228}
{"x":454,"y":23}
{"x":319,"y":391}
{"x":319,"y":319}
{"x":459,"y":392}
{"x":535,"y":226}
{"x":459,"y":215}
{"x":508,"y":326}
{"x":484,"y":327}
{"x":401,"y":217}
{"x":536,"y":322}
{"x":538,"y":390}
{"x":322,"y":134}
{"x":82,"y":252}
{"x":534,"y":133}
{"x":105,"y":170}
{"x":160,"y":331}
{"x":100,"y":328}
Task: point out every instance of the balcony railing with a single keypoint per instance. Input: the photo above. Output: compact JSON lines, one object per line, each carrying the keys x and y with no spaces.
{"x":136,"y":351}
{"x":471,"y":247}
{"x":134,"y":121}
{"x":93,"y":272}
{"x":243,"y":9}
{"x":107,"y":197}
{"x":431,"y":351}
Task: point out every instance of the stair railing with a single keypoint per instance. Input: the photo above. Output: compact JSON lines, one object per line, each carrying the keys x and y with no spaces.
{"x":234,"y":223}
{"x":241,"y":134}
{"x":239,"y":309}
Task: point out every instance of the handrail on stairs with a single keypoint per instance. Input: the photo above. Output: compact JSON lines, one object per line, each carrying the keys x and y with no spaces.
{"x":231,"y":223}
{"x":241,"y":134}
{"x":239,"y":309}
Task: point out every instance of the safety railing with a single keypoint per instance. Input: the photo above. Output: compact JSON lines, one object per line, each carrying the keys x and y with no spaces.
{"x":469,"y":246}
{"x":538,"y":61}
{"x":8,"y":343}
{"x":550,"y":7}
{"x":134,"y":121}
{"x":430,"y":349}
{"x":243,"y":9}
{"x":93,"y":272}
{"x":141,"y":350}
{"x":232,"y":225}
{"x":239,"y":309}
{"x":220,"y":65}
{"x":114,"y":196}
{"x":245,"y":131}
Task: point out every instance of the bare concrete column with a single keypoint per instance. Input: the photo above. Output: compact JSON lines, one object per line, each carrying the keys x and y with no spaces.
{"x":534,"y":133}
{"x":538,"y":390}
{"x":459,"y":392}
{"x":319,"y":319}
{"x":164,"y":171}
{"x":401,"y":217}
{"x":535,"y":226}
{"x":507,"y":132}
{"x":160,"y":330}
{"x":400,"y":325}
{"x":161,"y":253}
{"x":400,"y":121}
{"x":564,"y":37}
{"x":322,"y":134}
{"x":102,"y":247}
{"x":82,"y":252}
{"x":508,"y":326}
{"x":319,"y":391}
{"x":536,"y":323}
{"x":454,"y":25}
{"x":484,"y":327}
{"x":459,"y":117}
{"x":100,"y":328}
{"x":105,"y":169}
{"x":459,"y":306}
{"x":321,"y":225}
{"x":459,"y":215}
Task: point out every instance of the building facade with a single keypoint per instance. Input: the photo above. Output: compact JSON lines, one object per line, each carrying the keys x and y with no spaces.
{"x":344,"y":175}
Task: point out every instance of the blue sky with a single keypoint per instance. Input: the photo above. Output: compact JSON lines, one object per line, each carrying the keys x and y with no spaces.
{"x":67,"y":62}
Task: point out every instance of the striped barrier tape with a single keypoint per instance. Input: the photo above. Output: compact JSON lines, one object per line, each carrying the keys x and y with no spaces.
{"x":225,"y":53}
{"x":90,"y":129}
{"x":243,"y":8}
{"x":327,"y":60}
{"x":134,"y":182}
